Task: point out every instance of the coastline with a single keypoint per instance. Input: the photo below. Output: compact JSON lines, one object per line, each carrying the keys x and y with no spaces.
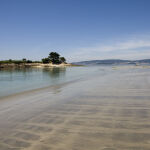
{"x":38,"y":65}
{"x":55,"y":65}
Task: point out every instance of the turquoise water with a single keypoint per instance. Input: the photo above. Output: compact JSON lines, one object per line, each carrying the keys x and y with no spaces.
{"x":19,"y":80}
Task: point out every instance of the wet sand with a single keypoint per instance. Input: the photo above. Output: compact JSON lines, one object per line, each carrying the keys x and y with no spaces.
{"x":104,"y":112}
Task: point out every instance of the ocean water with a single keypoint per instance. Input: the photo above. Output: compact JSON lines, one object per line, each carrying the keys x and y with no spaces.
{"x":20,"y":80}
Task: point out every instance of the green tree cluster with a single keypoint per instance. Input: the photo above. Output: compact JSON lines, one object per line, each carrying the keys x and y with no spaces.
{"x":10,"y":61}
{"x":54,"y":58}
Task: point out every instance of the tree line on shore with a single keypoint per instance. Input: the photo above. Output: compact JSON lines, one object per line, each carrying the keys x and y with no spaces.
{"x":53,"y":58}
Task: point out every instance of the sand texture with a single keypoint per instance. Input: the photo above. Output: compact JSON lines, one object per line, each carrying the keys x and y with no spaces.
{"x":104,"y":112}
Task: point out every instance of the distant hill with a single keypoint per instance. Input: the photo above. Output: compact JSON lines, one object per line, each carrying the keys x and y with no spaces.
{"x":112,"y":61}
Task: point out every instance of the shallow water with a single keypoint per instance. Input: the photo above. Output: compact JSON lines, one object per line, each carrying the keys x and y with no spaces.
{"x":20,"y":80}
{"x":104,"y":111}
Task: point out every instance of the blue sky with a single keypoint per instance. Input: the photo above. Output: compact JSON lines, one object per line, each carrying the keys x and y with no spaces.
{"x":77,"y":29}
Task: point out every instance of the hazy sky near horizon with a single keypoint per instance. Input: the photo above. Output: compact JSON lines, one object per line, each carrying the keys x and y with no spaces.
{"x":77,"y":29}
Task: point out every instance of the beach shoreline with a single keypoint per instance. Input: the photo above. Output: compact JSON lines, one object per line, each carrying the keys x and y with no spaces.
{"x":38,"y":65}
{"x":109,"y":111}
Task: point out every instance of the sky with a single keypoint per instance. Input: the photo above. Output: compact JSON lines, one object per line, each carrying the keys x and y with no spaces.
{"x":77,"y":29}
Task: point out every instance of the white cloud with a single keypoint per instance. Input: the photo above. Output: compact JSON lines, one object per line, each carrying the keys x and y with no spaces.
{"x":129,"y":49}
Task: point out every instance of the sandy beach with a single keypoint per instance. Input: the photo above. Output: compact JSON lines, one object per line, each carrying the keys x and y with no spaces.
{"x":103,"y":112}
{"x":36,"y":65}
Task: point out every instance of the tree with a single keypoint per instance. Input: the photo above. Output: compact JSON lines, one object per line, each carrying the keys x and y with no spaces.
{"x":24,"y":60}
{"x":10,"y":60}
{"x":54,"y":58}
{"x":62,"y":60}
{"x":29,"y":61}
{"x":45,"y":60}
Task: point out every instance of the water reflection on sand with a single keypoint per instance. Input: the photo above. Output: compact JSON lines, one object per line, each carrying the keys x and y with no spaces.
{"x":103,"y":112}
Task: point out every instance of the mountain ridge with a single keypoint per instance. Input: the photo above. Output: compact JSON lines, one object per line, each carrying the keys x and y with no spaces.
{"x":112,"y":61}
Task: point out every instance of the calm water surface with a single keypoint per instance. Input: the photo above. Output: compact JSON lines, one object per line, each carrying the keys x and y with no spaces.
{"x":19,"y":80}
